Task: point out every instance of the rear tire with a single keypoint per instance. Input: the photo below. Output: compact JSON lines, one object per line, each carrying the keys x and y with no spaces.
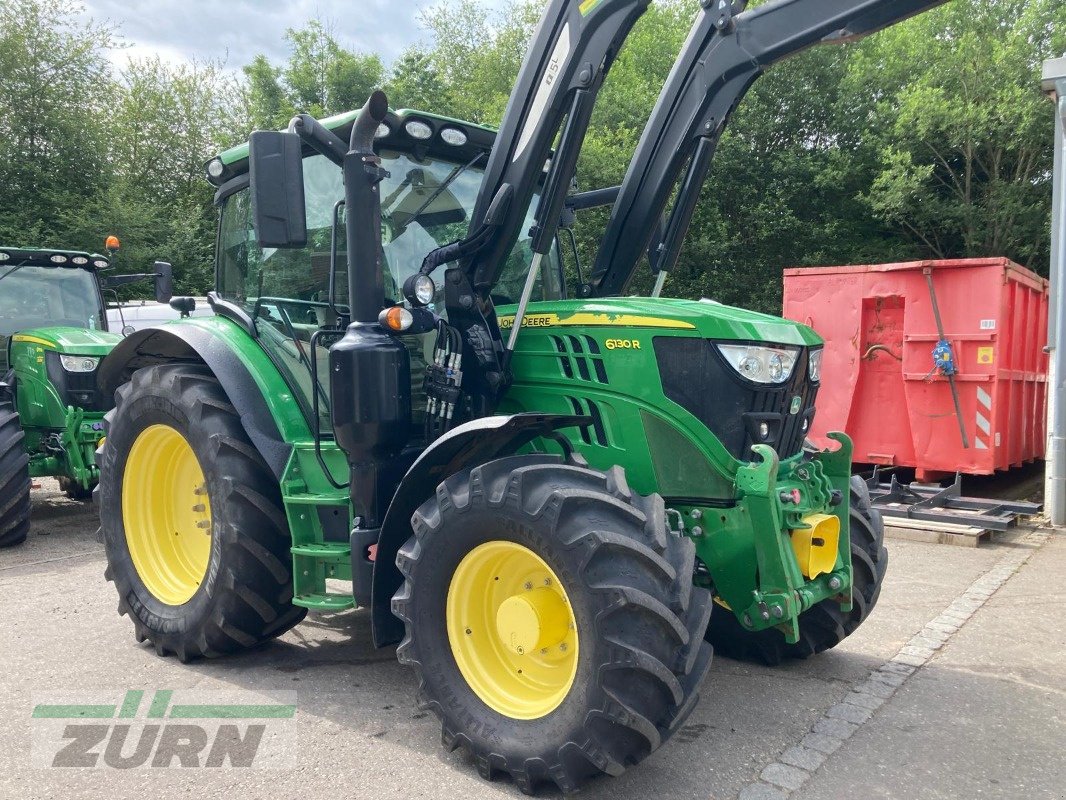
{"x":14,"y":478}
{"x":245,"y":595}
{"x":824,"y":626}
{"x":639,"y":654}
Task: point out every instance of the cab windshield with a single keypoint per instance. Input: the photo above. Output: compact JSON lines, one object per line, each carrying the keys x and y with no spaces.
{"x":37,"y":297}
{"x":425,"y":203}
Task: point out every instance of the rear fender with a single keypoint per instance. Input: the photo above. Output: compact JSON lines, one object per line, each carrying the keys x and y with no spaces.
{"x":197,"y":343}
{"x":475,"y":442}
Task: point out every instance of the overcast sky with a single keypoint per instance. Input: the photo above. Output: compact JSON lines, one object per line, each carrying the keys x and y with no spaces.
{"x":239,"y":29}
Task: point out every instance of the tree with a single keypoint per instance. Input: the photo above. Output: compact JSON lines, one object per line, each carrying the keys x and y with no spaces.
{"x":169,"y":120}
{"x":54,"y":100}
{"x":961,"y":131}
{"x":414,"y":82}
{"x":320,"y":78}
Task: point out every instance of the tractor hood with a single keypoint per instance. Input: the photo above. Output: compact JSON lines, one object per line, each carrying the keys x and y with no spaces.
{"x":75,"y":341}
{"x":706,"y":318}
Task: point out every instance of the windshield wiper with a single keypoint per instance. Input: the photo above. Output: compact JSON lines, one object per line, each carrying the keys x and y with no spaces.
{"x":14,"y":269}
{"x":455,"y":173}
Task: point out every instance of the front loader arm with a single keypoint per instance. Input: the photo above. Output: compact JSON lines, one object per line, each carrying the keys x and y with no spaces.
{"x":725,"y":53}
{"x":563,"y":70}
{"x":562,"y":73}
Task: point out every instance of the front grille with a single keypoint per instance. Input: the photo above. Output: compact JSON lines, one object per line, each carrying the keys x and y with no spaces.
{"x":76,"y":389}
{"x":697,"y":377}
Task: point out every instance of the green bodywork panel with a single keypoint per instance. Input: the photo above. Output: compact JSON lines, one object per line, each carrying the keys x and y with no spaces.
{"x":730,"y":508}
{"x":61,"y":440}
{"x":741,"y":532}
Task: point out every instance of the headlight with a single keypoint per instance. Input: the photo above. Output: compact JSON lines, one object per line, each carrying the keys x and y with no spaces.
{"x":761,"y":364}
{"x":215,"y":168}
{"x":419,"y":289}
{"x":814,"y":365}
{"x":79,"y":363}
{"x":382,"y":131}
{"x":58,"y":259}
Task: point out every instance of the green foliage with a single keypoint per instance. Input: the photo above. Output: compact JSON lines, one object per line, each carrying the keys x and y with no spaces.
{"x":87,"y":150}
{"x":320,"y":78}
{"x":54,"y":92}
{"x":961,"y":132}
{"x":929,"y":139}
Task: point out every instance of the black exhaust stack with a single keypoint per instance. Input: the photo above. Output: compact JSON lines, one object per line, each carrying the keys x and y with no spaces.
{"x":370,"y":371}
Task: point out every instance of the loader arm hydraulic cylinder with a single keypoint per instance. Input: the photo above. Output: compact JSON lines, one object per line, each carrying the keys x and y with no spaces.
{"x":724,"y":54}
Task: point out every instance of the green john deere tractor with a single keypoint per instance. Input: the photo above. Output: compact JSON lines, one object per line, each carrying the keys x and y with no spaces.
{"x":53,"y":335}
{"x":540,"y":498}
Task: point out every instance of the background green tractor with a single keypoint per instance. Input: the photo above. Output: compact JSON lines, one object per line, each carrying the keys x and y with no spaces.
{"x":541,"y":499}
{"x":53,"y":336}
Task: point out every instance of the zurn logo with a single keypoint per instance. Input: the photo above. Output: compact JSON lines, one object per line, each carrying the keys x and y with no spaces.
{"x":162,"y":728}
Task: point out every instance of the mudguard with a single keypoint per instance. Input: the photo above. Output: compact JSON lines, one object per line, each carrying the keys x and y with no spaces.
{"x":178,"y":343}
{"x":466,"y":446}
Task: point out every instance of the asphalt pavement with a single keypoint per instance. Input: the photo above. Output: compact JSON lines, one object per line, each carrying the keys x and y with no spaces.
{"x":954,"y":688}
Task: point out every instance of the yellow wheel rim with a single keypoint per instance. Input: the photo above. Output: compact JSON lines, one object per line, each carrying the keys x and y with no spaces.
{"x":512,"y":630}
{"x":166,"y":514}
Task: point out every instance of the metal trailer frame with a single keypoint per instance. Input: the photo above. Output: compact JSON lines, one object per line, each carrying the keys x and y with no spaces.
{"x":931,"y":503}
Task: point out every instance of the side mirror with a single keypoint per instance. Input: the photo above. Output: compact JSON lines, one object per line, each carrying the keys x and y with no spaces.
{"x":276,"y":175}
{"x":164,"y":281}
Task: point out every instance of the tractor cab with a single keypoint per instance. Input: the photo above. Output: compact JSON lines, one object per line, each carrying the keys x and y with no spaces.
{"x":435,"y":167}
{"x":49,"y":289}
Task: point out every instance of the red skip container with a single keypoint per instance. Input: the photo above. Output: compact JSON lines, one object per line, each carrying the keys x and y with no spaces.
{"x":879,"y":381}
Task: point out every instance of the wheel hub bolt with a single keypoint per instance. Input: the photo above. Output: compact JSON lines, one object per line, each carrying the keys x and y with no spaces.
{"x":778,"y":612}
{"x":529,"y":586}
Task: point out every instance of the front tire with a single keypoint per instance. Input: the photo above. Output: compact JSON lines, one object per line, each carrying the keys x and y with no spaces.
{"x":14,"y":478}
{"x":551,"y":619}
{"x":192,"y":519}
{"x":824,"y":626}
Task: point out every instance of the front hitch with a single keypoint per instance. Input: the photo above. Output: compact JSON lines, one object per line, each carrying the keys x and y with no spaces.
{"x":777,"y":505}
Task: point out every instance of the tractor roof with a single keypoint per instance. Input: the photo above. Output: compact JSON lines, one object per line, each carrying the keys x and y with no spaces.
{"x":478,"y":138}
{"x":50,"y":257}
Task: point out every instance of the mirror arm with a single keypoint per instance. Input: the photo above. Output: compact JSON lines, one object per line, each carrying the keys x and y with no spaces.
{"x":319,"y":137}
